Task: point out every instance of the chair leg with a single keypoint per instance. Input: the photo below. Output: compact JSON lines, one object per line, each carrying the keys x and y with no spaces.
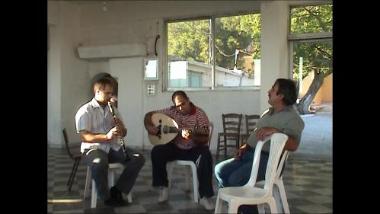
{"x":87,"y":185}
{"x":71,"y":174}
{"x":284,"y":200}
{"x":261,"y":208}
{"x":195,"y":183}
{"x":233,"y":206}
{"x":94,"y":195}
{"x":71,"y":177}
{"x":129,"y":197}
{"x":272,"y":205}
{"x":169,"y":170}
{"x":225,"y":148}
{"x":217,"y":150}
{"x":277,"y":197}
{"x":218,"y":205}
{"x":76,"y":164}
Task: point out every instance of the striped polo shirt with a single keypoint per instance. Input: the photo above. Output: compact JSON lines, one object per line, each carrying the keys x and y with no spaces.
{"x":197,"y":117}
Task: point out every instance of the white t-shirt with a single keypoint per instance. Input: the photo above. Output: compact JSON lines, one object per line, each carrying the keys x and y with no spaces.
{"x":94,"y":118}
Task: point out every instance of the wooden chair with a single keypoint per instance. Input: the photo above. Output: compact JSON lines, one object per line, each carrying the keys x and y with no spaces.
{"x":75,"y":156}
{"x":231,"y":132}
{"x":250,"y":125}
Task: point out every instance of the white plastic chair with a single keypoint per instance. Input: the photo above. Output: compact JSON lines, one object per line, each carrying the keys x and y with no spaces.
{"x":170,"y":166}
{"x":112,"y":168}
{"x":249,"y":194}
{"x":278,"y":187}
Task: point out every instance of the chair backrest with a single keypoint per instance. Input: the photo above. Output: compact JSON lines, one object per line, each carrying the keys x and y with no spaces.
{"x":250,"y":122}
{"x":232,"y":123}
{"x":65,"y":137}
{"x":277,"y":143}
{"x":280,"y":167}
{"x":210,"y":129}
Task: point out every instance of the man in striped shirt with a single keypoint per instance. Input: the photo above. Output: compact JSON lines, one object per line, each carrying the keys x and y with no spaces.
{"x":187,"y":145}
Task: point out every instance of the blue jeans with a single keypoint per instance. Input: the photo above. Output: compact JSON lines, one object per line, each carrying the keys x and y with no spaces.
{"x":234,"y":172}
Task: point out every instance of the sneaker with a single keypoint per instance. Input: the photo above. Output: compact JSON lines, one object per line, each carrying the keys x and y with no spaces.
{"x":116,"y":198}
{"x":164,"y":194}
{"x":115,"y":203}
{"x":116,"y":194}
{"x":207,"y":203}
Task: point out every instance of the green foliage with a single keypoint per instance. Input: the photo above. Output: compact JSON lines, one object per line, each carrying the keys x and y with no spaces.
{"x":317,"y":55}
{"x":237,"y":32}
{"x":311,"y":19}
{"x":191,"y":40}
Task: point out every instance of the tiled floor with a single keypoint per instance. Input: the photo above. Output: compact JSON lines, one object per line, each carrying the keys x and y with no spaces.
{"x":308,"y":185}
{"x":307,"y":179}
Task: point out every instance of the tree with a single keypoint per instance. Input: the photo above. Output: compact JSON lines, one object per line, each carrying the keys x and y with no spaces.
{"x":317,"y":55}
{"x":191,"y":40}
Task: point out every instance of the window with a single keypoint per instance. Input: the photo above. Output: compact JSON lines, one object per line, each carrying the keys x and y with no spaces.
{"x":150,"y":69}
{"x":310,"y":37}
{"x":213,"y":52}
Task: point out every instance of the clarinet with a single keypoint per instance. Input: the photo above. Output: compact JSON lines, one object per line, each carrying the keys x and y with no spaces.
{"x":114,"y":117}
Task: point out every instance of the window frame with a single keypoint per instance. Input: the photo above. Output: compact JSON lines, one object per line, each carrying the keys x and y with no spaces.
{"x":164,"y":64}
{"x":304,"y":37}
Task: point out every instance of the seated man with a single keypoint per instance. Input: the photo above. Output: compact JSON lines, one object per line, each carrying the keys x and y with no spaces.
{"x":280,"y":117}
{"x":186,"y":145}
{"x":100,"y":133}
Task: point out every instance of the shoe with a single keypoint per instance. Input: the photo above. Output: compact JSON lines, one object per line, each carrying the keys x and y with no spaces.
{"x":116,"y":198}
{"x":207,"y":203}
{"x":164,"y":194}
{"x":116,"y":194}
{"x":115,"y":203}
{"x":251,"y":209}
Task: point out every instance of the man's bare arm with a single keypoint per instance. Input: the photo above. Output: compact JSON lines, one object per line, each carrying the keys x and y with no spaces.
{"x":90,"y":137}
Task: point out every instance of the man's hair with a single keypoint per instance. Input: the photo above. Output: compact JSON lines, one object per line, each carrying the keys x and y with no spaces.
{"x":101,"y":83}
{"x":103,"y":75}
{"x":179,"y":93}
{"x":287,"y":88}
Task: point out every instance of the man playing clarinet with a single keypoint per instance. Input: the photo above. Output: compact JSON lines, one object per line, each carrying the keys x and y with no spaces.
{"x":102,"y":134}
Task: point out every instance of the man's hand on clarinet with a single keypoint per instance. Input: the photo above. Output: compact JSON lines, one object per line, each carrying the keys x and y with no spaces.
{"x":120,"y":127}
{"x":112,"y":133}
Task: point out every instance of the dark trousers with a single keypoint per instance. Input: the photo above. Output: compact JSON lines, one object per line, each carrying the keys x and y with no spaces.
{"x":201,"y":156}
{"x":98,"y":161}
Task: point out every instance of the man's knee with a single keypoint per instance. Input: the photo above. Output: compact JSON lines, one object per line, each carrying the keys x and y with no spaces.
{"x":157,"y":152}
{"x":99,"y":168}
{"x":140,"y":160}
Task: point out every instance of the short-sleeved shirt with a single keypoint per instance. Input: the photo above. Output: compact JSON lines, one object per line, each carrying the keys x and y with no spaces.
{"x":286,"y":121}
{"x":94,"y":118}
{"x":197,"y":117}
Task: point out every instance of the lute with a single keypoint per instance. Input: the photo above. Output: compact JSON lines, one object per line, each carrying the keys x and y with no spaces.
{"x":168,"y":129}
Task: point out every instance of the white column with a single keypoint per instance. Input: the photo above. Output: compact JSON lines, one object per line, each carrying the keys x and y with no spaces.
{"x":274,"y":46}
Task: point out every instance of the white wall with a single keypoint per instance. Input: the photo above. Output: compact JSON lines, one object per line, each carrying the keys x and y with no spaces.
{"x":67,"y":75}
{"x":54,"y":87}
{"x":86,"y":24}
{"x":130,"y":96}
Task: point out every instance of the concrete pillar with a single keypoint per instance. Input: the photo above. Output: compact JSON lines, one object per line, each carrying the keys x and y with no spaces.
{"x":274,"y":46}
